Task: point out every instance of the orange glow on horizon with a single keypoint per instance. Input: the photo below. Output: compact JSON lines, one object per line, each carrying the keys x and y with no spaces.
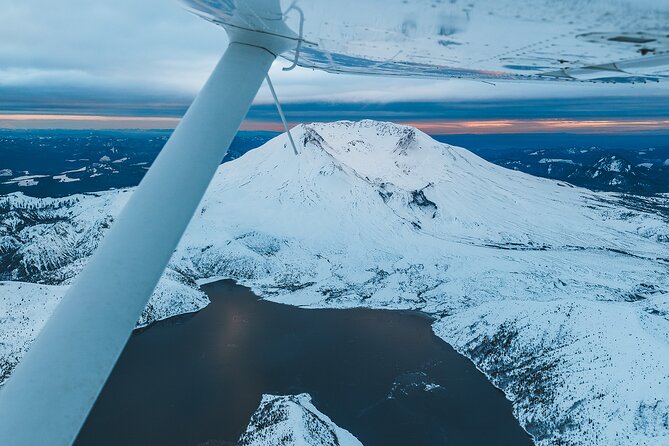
{"x":26,"y":117}
{"x":539,"y":126}
{"x":53,"y":121}
{"x":264,"y":126}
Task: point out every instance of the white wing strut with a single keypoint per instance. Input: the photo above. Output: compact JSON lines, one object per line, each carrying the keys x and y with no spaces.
{"x":49,"y":395}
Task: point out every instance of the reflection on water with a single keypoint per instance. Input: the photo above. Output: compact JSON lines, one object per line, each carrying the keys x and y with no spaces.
{"x":382,"y":375}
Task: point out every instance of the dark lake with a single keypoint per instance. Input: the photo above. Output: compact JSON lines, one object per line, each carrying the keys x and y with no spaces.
{"x":382,"y":375}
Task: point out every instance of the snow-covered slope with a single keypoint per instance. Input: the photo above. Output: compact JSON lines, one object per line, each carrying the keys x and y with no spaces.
{"x":48,"y":241}
{"x":579,"y":372}
{"x":292,"y":420}
{"x":537,"y":281}
{"x":25,"y":308}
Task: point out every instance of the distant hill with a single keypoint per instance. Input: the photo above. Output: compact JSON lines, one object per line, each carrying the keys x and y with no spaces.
{"x":57,"y":163}
{"x":635,"y":164}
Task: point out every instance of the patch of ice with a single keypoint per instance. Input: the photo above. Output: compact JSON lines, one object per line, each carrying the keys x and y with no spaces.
{"x":555,"y":160}
{"x":65,"y":179}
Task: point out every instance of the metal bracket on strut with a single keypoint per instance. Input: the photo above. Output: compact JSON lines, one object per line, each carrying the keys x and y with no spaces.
{"x":299,"y":39}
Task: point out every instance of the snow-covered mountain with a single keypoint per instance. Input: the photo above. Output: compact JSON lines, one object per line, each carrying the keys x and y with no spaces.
{"x":560,"y":295}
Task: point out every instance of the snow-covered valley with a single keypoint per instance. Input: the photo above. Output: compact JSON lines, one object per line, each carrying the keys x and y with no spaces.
{"x":560,"y":295}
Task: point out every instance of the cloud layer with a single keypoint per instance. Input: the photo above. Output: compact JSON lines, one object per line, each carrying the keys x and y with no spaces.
{"x":150,"y":57}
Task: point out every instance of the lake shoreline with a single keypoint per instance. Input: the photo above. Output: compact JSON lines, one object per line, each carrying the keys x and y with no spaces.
{"x":382,"y":375}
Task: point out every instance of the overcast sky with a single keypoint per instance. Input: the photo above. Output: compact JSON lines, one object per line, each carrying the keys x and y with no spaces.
{"x":150,"y":57}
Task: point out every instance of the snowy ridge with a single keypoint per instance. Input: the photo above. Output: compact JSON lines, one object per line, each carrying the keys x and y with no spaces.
{"x":292,"y":420}
{"x":48,"y":241}
{"x":612,"y":396}
{"x":533,"y":279}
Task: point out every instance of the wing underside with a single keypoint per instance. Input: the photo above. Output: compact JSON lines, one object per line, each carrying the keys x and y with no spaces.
{"x":621,"y":41}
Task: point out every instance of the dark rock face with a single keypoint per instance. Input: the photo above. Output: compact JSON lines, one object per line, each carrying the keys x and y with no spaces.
{"x":420,"y":201}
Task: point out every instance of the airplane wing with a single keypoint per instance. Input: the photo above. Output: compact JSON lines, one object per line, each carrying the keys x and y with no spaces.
{"x":517,"y":40}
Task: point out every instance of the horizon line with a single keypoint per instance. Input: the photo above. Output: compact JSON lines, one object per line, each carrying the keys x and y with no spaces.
{"x":41,"y":121}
